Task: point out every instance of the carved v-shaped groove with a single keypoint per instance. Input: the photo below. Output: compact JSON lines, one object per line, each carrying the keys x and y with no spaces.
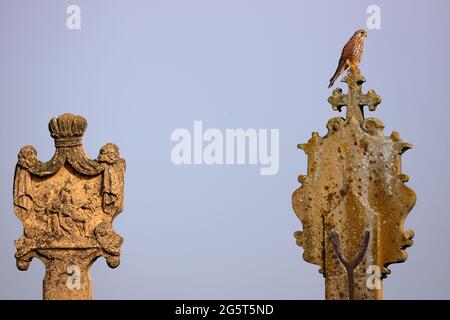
{"x":350,"y":266}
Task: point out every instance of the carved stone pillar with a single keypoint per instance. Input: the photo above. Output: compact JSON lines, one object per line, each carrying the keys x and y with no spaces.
{"x":353,"y":201}
{"x":67,"y":206}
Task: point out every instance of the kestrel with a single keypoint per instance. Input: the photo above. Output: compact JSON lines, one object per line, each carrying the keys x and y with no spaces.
{"x":351,"y":54}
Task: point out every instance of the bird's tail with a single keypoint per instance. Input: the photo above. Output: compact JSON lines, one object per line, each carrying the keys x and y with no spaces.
{"x":339,"y":70}
{"x":334,"y":77}
{"x":332,"y":82}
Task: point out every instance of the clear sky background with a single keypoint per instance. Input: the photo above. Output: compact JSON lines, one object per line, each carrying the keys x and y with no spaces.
{"x":137,"y":70}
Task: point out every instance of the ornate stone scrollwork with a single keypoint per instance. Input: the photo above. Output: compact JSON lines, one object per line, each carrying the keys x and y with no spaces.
{"x":373,"y":126}
{"x":334,"y":124}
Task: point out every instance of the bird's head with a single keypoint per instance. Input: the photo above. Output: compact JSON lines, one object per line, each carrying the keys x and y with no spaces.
{"x":361,"y":33}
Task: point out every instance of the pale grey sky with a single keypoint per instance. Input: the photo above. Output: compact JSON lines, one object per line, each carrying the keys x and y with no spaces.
{"x":137,"y":70}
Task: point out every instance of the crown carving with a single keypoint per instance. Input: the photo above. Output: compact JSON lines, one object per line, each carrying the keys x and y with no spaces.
{"x":67,"y":129}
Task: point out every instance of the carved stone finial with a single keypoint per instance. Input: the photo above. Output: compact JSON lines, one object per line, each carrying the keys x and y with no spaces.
{"x":355,"y":100}
{"x":67,"y":206}
{"x":67,"y":129}
{"x":353,"y":202}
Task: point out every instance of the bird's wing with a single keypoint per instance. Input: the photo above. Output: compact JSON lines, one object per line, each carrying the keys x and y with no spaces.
{"x":347,"y":50}
{"x":345,"y":55}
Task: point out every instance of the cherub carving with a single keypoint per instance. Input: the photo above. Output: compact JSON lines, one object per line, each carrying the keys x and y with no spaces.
{"x":23,"y":188}
{"x":113,"y":177}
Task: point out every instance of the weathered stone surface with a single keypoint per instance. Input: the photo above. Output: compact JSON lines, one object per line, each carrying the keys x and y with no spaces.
{"x":67,"y":206}
{"x":353,"y":201}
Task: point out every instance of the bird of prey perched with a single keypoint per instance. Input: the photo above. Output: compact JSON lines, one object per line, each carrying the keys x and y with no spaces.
{"x":351,"y":54}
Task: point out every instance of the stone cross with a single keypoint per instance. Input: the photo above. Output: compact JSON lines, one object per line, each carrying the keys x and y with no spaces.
{"x":67,"y":206}
{"x":353,"y":201}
